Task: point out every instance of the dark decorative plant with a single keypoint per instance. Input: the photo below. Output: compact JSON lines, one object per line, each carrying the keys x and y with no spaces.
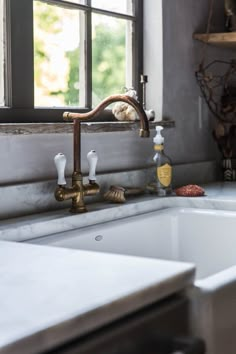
{"x":219,"y":92}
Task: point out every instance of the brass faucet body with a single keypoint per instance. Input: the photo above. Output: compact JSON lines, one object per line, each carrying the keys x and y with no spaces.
{"x":78,"y":190}
{"x":77,"y":193}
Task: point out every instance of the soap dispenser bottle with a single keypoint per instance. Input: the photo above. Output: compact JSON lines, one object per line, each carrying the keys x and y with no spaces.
{"x":163,"y":165}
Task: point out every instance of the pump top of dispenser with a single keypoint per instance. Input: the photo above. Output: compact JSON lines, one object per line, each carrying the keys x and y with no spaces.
{"x":158,"y":138}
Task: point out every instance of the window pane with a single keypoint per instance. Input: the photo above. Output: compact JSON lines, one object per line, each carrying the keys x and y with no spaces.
{"x":111,"y":56}
{"x":1,"y":56}
{"x":58,"y":56}
{"x":122,"y":6}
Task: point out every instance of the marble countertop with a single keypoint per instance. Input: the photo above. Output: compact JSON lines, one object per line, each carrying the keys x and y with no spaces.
{"x":218,"y":196}
{"x":51,"y":295}
{"x":47,"y":295}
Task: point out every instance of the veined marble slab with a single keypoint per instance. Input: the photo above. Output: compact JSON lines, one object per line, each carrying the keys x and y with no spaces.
{"x":218,"y":196}
{"x":37,"y":197}
{"x":50,"y":295}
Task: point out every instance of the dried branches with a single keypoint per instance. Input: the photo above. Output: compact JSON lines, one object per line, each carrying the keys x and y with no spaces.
{"x":219,"y":91}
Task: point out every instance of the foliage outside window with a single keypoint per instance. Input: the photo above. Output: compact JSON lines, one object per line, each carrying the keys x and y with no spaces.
{"x":71,"y":54}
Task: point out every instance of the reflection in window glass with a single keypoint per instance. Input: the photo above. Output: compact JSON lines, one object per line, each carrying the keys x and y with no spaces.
{"x":1,"y":56}
{"x":111,"y":56}
{"x":122,"y":6}
{"x":58,"y":56}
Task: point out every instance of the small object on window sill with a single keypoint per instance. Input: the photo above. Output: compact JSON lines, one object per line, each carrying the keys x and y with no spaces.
{"x":191,"y":190}
{"x":150,"y":114}
{"x":124,"y":112}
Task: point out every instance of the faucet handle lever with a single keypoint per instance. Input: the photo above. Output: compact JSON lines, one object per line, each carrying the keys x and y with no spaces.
{"x":60,"y":162}
{"x":92,"y":161}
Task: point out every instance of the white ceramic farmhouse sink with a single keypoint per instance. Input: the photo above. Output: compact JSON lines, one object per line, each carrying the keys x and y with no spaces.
{"x":204,"y":237}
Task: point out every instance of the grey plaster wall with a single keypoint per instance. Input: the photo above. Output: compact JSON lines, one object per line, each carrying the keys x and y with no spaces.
{"x":191,"y":140}
{"x":30,"y":158}
{"x":26,"y":158}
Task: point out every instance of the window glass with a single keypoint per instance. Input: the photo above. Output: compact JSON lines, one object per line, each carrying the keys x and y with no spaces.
{"x":122,"y":6}
{"x":1,"y":55}
{"x":58,"y":56}
{"x":81,"y":55}
{"x":111,"y":56}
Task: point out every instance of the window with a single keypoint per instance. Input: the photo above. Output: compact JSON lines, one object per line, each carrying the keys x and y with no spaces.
{"x":58,"y":55}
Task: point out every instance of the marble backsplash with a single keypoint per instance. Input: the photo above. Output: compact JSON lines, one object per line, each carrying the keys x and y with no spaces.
{"x":31,"y":198}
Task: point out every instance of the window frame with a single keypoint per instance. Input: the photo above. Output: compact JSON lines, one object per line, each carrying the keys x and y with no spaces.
{"x":19,"y":65}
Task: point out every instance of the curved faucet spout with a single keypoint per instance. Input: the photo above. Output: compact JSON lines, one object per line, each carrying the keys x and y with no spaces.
{"x":144,"y":125}
{"x":78,"y":190}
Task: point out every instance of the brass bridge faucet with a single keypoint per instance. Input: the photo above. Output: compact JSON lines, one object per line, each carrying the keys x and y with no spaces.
{"x":78,"y":190}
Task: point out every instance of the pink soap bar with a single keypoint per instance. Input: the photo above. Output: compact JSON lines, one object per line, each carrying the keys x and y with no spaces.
{"x":191,"y":190}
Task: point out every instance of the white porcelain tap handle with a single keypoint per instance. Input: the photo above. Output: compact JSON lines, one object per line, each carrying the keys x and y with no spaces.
{"x":92,"y":161}
{"x":150,"y":114}
{"x":60,"y":162}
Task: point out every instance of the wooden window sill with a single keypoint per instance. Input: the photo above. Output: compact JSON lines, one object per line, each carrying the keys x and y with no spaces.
{"x":87,"y":127}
